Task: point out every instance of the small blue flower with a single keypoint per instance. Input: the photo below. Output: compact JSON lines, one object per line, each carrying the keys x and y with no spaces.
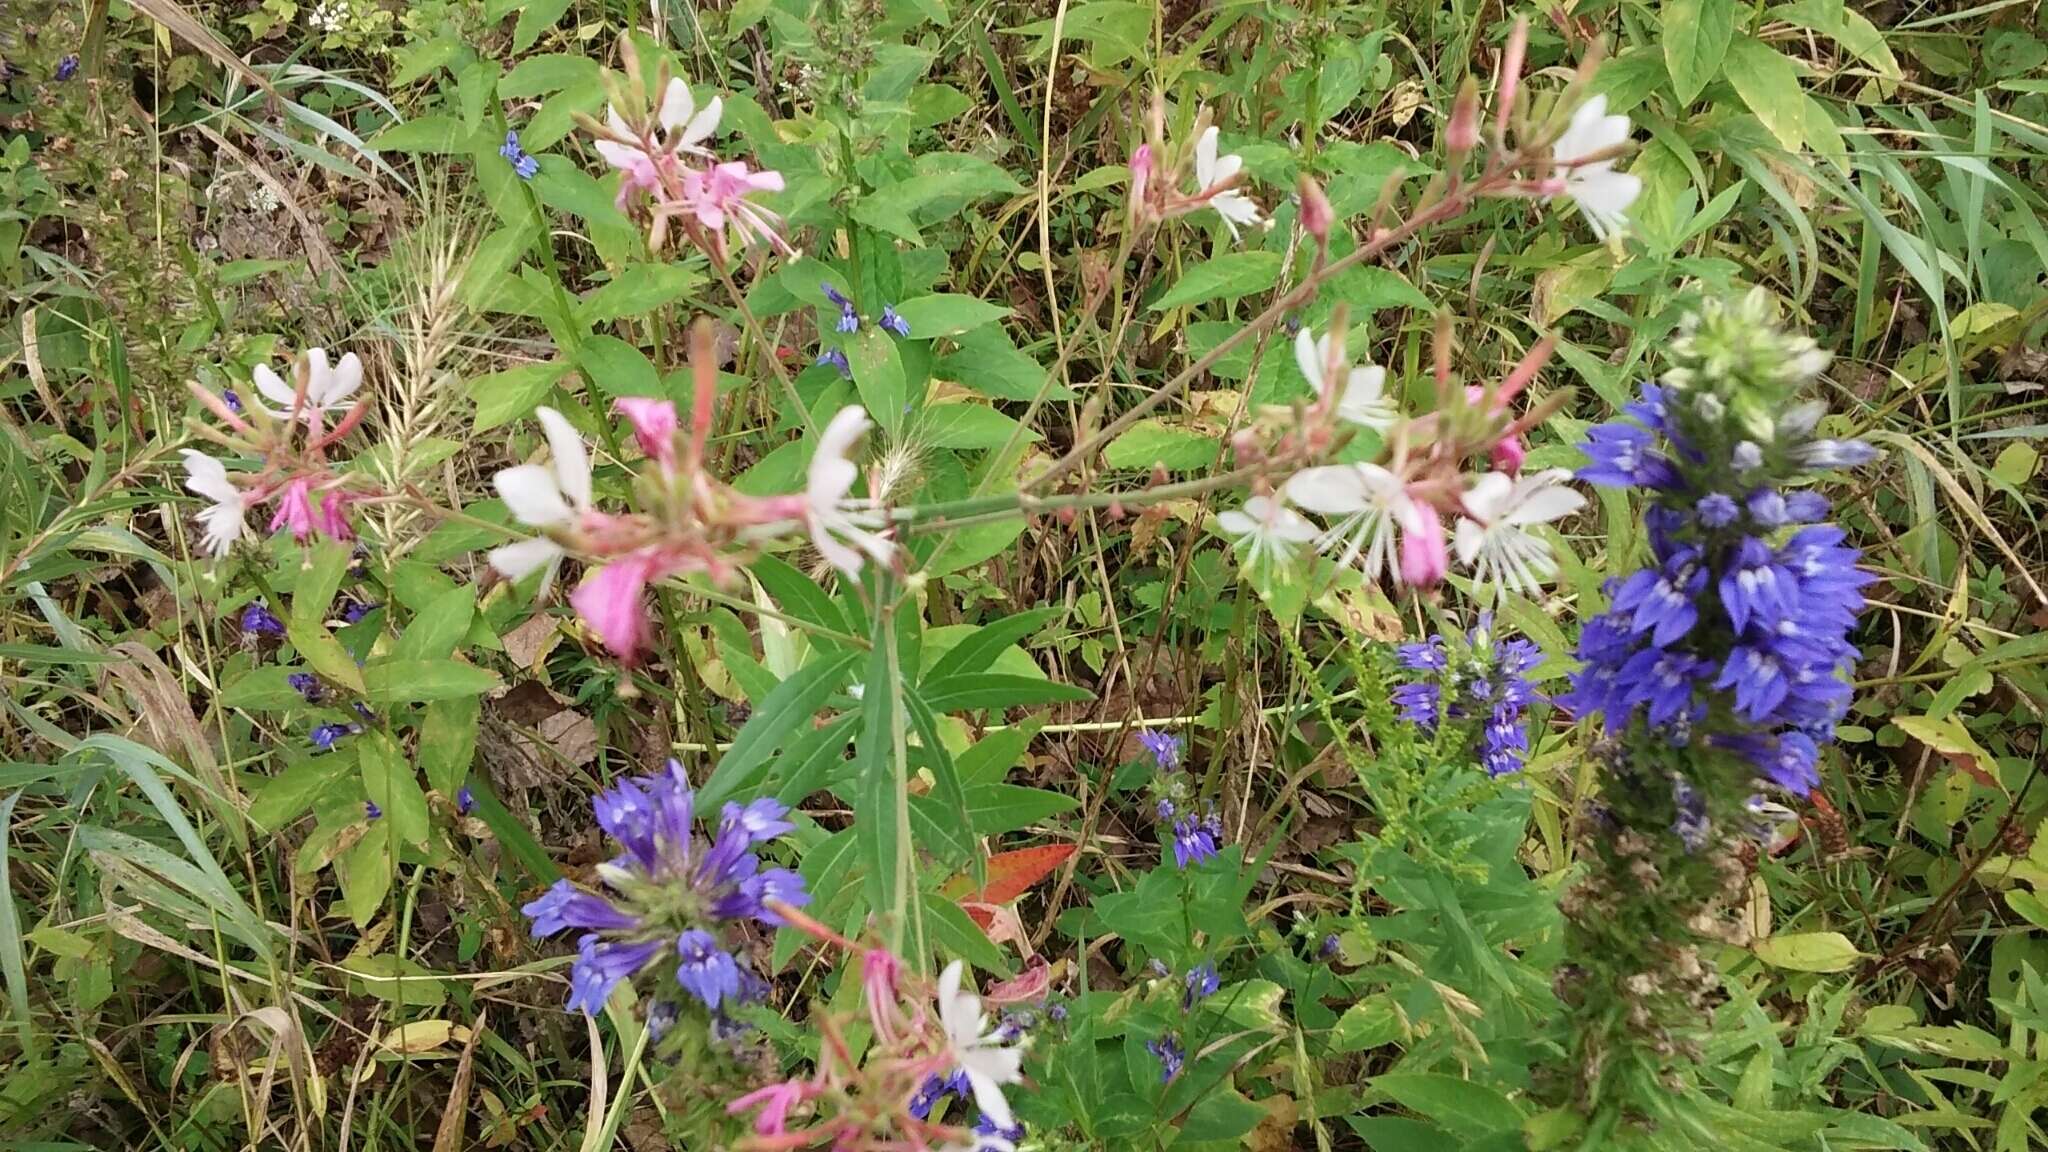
{"x":465,"y":801}
{"x":1165,"y":810}
{"x":836,"y":359}
{"x":849,"y":320}
{"x":566,"y":906}
{"x":234,"y":402}
{"x":1625,"y":456}
{"x":707,"y":972}
{"x":894,"y":323}
{"x":523,"y":165}
{"x":1202,"y":983}
{"x":1057,"y":1013}
{"x":67,"y":67}
{"x":308,"y":685}
{"x":1331,"y":946}
{"x":1171,"y":1056}
{"x":1818,"y":455}
{"x":325,"y":736}
{"x":353,"y":611}
{"x":1165,"y":748}
{"x":761,"y":820}
{"x":371,"y":811}
{"x":601,"y":965}
{"x":257,"y":619}
{"x":1717,"y":509}
{"x":992,"y":1137}
{"x":935,"y":1090}
{"x":1195,"y":840}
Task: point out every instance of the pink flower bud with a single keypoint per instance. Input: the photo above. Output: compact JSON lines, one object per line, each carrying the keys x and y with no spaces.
{"x":1509,"y":78}
{"x":295,"y":510}
{"x":1141,"y":178}
{"x":654,"y":426}
{"x":1424,"y":559}
{"x":1509,"y":453}
{"x":1461,"y":135}
{"x":332,"y":517}
{"x":1316,"y":214}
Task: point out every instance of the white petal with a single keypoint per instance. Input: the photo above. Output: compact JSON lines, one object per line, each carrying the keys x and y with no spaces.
{"x":703,"y":124}
{"x":837,"y":554}
{"x":515,"y":561}
{"x":1332,"y":490}
{"x":533,"y":497}
{"x":617,"y":124}
{"x":830,"y":475}
{"x":272,"y":386}
{"x":620,"y":155}
{"x":1205,"y":158}
{"x":1308,"y":356}
{"x":677,"y":106}
{"x":572,"y":459}
{"x":1468,"y":538}
{"x":209,"y":478}
{"x":987,"y":1070}
{"x":319,"y":378}
{"x":347,"y":377}
{"x":1236,"y":523}
{"x":1541,"y":498}
{"x":1488,"y":496}
{"x":223,"y":526}
{"x":1288,"y":525}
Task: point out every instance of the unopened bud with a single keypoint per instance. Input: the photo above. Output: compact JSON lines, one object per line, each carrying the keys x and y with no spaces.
{"x":1115,"y":510}
{"x":1462,"y":135}
{"x":1245,"y":446}
{"x":1066,"y":515}
{"x":1141,"y":179}
{"x":1158,"y":474}
{"x":1509,"y":80}
{"x":1316,"y":213}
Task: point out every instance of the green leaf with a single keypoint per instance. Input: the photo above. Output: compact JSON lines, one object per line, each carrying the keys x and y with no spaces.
{"x":364,"y":871}
{"x":878,"y":374}
{"x":947,"y":314}
{"x":1370,"y":1023}
{"x":618,"y":367}
{"x":881,"y":801}
{"x":390,"y":783}
{"x":536,"y":17}
{"x":1367,"y":289}
{"x":1696,"y":35}
{"x":1769,"y":84}
{"x":993,"y":690}
{"x":266,"y":689}
{"x":394,"y":979}
{"x":637,"y":290}
{"x":418,"y":681}
{"x":448,"y":742}
{"x":439,"y":627}
{"x":1226,"y":277}
{"x":956,"y":934}
{"x":1153,"y":441}
{"x":502,"y":397}
{"x":440,"y":135}
{"x":539,"y":75}
{"x":791,"y":704}
{"x":1808,"y":951}
{"x":1220,"y":1115}
{"x":286,"y":796}
{"x":987,"y":362}
{"x":1457,"y":1103}
{"x":326,"y":563}
{"x":969,"y":427}
{"x":321,"y":650}
{"x":979,"y":650}
{"x":797,"y":594}
{"x":993,"y":809}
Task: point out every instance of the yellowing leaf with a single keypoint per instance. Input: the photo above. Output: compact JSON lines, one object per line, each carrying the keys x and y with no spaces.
{"x":422,"y":1036}
{"x":1948,"y":737}
{"x":1808,"y":952}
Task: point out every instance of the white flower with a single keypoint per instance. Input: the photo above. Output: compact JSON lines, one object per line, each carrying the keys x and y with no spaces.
{"x":223,"y":520}
{"x":544,"y":497}
{"x":978,"y":1053}
{"x":327,"y":389}
{"x":1270,"y":528}
{"x":1492,"y":535}
{"x":1363,"y":401}
{"x":1602,"y":194}
{"x":839,"y":525}
{"x":685,"y":127}
{"x":1367,"y":504}
{"x":1211,"y":170}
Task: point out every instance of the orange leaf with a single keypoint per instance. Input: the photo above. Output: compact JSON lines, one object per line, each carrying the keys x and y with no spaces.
{"x":1011,"y":874}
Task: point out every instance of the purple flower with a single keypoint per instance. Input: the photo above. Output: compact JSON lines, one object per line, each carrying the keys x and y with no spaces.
{"x":234,"y":402}
{"x":325,"y":736}
{"x":1820,"y":455}
{"x":849,"y":320}
{"x":1489,"y":683}
{"x":308,"y":685}
{"x":761,"y":820}
{"x":523,"y":166}
{"x":1663,"y":680}
{"x":1758,"y":678}
{"x":1329,"y":949}
{"x":465,"y":801}
{"x":601,"y":965}
{"x":1164,"y":811}
{"x":1662,"y":600}
{"x":1171,"y":1055}
{"x":1195,"y":840}
{"x":1691,"y":824}
{"x":257,"y":619}
{"x":992,"y":1137}
{"x":1805,"y":507}
{"x":67,"y":67}
{"x":836,"y":359}
{"x":707,"y":972}
{"x":1165,"y":748}
{"x":1625,"y":456}
{"x":935,"y":1090}
{"x":1202,"y":983}
{"x":1057,"y":1013}
{"x":371,"y":811}
{"x":894,"y":323}
{"x":1757,"y":587}
{"x":1717,"y":509}
{"x":353,"y":611}
{"x":565,"y":906}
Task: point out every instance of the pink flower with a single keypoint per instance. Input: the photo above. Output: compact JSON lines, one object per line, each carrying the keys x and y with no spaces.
{"x":1509,"y":453}
{"x":332,"y":516}
{"x":609,"y":601}
{"x":718,"y":199}
{"x":654,"y":426}
{"x":1141,"y":178}
{"x":295,"y":510}
{"x":1424,"y":559}
{"x":775,"y":1102}
{"x":879,"y":973}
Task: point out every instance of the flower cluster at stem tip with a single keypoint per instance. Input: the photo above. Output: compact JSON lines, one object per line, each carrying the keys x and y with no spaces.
{"x":1738,"y":634}
{"x":1483,"y":686}
{"x":671,"y":895}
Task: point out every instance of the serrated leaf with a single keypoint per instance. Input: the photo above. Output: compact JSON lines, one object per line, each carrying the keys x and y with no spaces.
{"x":1225,"y":277}
{"x":286,"y":796}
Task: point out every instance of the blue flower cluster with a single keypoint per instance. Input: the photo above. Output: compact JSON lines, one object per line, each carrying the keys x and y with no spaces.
{"x":1738,"y":633}
{"x":1488,"y":684}
{"x":670,"y":890}
{"x":1195,"y":838}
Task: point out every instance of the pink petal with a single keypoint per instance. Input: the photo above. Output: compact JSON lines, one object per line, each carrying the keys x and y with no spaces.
{"x":332,"y":518}
{"x":609,"y":603}
{"x":1424,"y":560}
{"x":1509,"y":453}
{"x":654,"y":426}
{"x":295,"y":510}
